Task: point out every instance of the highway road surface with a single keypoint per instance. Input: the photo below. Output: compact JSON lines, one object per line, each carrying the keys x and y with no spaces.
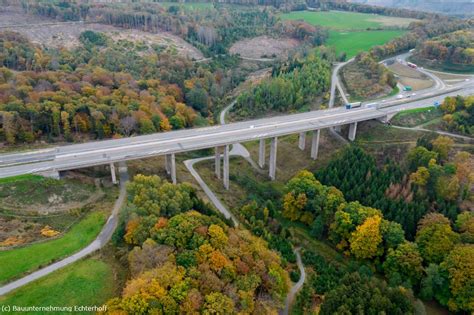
{"x":108,"y":151}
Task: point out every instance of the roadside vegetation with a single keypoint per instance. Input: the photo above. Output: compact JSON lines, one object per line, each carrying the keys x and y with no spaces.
{"x":365,"y":78}
{"x":416,"y":117}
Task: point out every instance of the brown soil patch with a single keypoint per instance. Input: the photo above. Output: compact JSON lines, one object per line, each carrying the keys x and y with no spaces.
{"x":264,"y":47}
{"x":51,"y":33}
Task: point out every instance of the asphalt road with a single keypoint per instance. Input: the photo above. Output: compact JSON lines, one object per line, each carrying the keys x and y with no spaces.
{"x":102,"y":239}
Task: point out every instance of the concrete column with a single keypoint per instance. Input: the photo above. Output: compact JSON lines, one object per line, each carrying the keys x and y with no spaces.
{"x":302,"y":141}
{"x":217,"y":162}
{"x":352,"y":131}
{"x":167,"y":164}
{"x":273,"y":157}
{"x":261,"y":153}
{"x":226,"y":167}
{"x":112,"y":172}
{"x":315,"y":144}
{"x":173,"y":168}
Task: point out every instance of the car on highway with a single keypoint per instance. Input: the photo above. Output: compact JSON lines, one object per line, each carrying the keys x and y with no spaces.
{"x":399,"y":96}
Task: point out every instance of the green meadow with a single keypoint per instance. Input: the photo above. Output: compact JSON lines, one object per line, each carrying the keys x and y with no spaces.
{"x":355,"y":42}
{"x":87,"y":282}
{"x":352,"y":32}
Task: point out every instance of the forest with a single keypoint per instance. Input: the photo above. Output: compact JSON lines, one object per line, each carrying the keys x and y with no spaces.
{"x":293,"y":85}
{"x":455,"y":48}
{"x":212,"y":31}
{"x":184,"y":259}
{"x":105,"y":88}
{"x":420,"y":32}
{"x":430,"y":256}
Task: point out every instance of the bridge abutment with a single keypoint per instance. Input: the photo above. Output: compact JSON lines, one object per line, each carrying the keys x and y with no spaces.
{"x":51,"y":174}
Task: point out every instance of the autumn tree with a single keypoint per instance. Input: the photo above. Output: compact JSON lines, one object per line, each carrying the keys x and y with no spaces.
{"x":459,"y":267}
{"x":365,"y":241}
{"x":435,"y":238}
{"x":404,"y":261}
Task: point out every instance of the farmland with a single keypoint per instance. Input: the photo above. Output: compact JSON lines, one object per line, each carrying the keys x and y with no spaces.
{"x":352,"y":32}
{"x":347,"y":20}
{"x":354,"y":42}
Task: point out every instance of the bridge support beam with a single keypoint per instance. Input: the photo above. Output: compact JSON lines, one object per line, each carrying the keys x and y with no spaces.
{"x":226,"y":167}
{"x":273,"y":157}
{"x":261,"y":153}
{"x":112,"y":172}
{"x":217,"y":162}
{"x":302,"y":141}
{"x":352,"y":131}
{"x":315,"y":144}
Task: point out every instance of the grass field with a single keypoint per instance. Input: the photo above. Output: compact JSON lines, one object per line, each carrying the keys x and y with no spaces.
{"x":17,"y":262}
{"x":342,"y":20}
{"x":355,"y":42}
{"x":349,"y":30}
{"x":86,"y":282}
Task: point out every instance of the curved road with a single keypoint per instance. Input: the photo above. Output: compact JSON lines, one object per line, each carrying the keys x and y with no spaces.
{"x":102,"y":239}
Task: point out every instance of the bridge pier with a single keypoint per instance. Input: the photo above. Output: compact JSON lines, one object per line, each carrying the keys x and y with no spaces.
{"x":261,"y":153}
{"x":226,"y":167}
{"x":217,"y":162}
{"x":273,"y":156}
{"x":315,"y":144}
{"x":112,"y":172}
{"x":173,"y":168}
{"x":167,"y":164}
{"x":170,"y":163}
{"x":302,"y":141}
{"x":352,"y":131}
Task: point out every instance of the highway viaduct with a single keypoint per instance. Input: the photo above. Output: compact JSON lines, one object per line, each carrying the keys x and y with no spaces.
{"x":49,"y":162}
